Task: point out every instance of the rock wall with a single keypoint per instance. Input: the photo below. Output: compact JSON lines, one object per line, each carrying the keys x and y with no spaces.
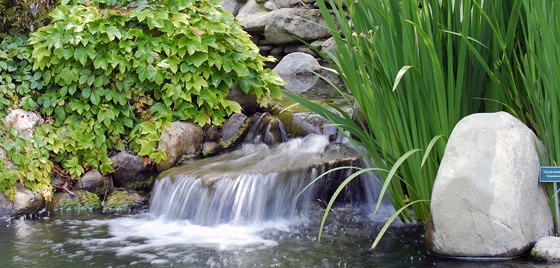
{"x":292,"y":31}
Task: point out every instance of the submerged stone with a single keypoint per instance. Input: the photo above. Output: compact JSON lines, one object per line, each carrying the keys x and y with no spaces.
{"x":487,"y":200}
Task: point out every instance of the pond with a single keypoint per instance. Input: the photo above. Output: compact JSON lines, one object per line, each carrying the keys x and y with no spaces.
{"x":240,"y":209}
{"x":141,"y":240}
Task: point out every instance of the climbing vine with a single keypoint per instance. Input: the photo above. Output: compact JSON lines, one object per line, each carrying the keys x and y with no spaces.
{"x":109,"y":78}
{"x":28,"y":163}
{"x":24,"y":161}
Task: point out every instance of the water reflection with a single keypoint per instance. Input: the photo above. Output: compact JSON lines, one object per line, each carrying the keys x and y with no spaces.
{"x":141,"y":240}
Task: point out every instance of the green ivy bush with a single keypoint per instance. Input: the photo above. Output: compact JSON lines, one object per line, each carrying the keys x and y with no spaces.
{"x":19,"y":85}
{"x":114,"y":77}
{"x":22,"y":161}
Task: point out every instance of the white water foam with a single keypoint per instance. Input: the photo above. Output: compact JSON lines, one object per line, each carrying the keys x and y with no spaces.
{"x":141,"y":236}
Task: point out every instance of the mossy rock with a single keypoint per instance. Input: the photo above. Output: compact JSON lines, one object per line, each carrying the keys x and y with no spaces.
{"x":80,"y":201}
{"x":122,"y":201}
{"x":234,"y":129}
{"x":143,"y":184}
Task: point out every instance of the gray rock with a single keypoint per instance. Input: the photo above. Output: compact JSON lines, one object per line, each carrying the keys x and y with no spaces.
{"x":248,"y":102}
{"x":131,"y":173}
{"x":296,"y":126}
{"x":6,"y":206}
{"x":24,"y":122}
{"x":278,"y":52}
{"x":212,"y":133}
{"x":233,"y":130}
{"x":253,"y":17}
{"x":267,"y":129}
{"x":287,"y":25}
{"x":270,"y":5}
{"x":547,"y":249}
{"x":210,"y":148}
{"x":179,"y":140}
{"x":329,"y":47}
{"x":231,"y":6}
{"x":487,"y":200}
{"x":94,"y":182}
{"x":7,"y":163}
{"x":297,"y":70}
{"x":285,"y":3}
{"x":27,"y":202}
{"x":307,"y":50}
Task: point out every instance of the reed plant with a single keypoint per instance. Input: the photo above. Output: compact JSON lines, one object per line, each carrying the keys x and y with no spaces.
{"x":414,"y":69}
{"x":540,"y":72}
{"x":539,"y":69}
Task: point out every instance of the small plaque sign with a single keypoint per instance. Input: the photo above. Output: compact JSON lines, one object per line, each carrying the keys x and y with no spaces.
{"x":550,"y":174}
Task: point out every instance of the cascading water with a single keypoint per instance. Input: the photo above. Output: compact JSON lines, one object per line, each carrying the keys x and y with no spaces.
{"x":254,"y":184}
{"x":239,"y":209}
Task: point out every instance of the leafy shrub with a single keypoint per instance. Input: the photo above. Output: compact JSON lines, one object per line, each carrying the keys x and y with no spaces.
{"x":23,"y":161}
{"x":115,"y":77}
{"x":19,"y":85}
{"x":28,"y":163}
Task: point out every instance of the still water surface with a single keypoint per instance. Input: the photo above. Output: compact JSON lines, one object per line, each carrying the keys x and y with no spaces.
{"x":140,"y":240}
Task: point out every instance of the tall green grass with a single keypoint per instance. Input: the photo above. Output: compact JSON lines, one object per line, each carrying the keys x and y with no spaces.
{"x":539,"y":68}
{"x":415,"y":72}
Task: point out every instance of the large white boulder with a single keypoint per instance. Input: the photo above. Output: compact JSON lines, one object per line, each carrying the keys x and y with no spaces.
{"x":486,"y":200}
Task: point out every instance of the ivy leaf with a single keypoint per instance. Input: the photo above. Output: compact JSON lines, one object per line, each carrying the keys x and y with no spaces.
{"x":198,"y":58}
{"x":86,"y":92}
{"x":95,"y":97}
{"x":67,"y":53}
{"x":113,"y":32}
{"x":142,"y":15}
{"x":106,"y":117}
{"x":81,"y":55}
{"x":105,"y":168}
{"x":59,"y":13}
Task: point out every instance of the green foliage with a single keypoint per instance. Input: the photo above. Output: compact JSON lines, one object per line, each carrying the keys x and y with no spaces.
{"x":23,"y":161}
{"x":20,"y":17}
{"x":19,"y":85}
{"x":539,"y":70}
{"x":411,"y":75}
{"x":116,"y":77}
{"x":414,"y":74}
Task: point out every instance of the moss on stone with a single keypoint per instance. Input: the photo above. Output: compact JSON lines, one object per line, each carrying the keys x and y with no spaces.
{"x":242,"y":130}
{"x":122,"y":201}
{"x":81,"y":201}
{"x":143,"y":184}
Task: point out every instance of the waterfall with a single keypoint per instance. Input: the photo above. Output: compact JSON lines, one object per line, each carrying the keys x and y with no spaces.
{"x":256,"y":183}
